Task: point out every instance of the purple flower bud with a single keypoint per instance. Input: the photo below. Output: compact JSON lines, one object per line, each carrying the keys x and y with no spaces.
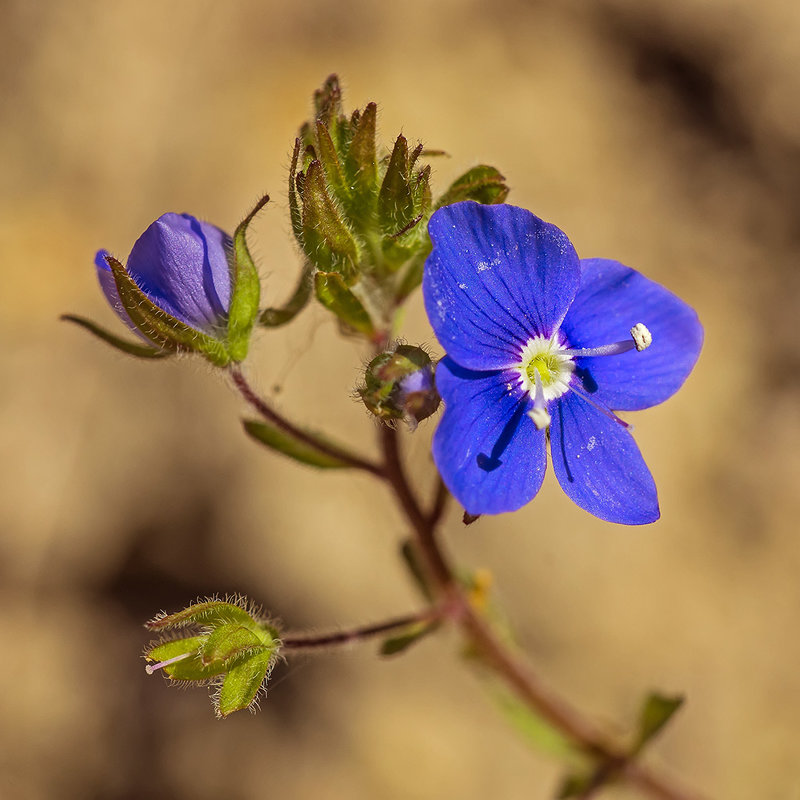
{"x":182,"y":265}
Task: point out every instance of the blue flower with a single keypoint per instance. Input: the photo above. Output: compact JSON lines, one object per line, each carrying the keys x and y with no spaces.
{"x":541,"y":345}
{"x":181,"y":265}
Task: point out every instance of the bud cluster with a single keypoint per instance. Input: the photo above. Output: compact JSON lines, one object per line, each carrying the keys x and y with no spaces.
{"x":360,"y":212}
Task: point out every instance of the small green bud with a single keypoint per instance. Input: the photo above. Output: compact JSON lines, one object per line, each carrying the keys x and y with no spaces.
{"x":225,"y":643}
{"x":399,"y":384}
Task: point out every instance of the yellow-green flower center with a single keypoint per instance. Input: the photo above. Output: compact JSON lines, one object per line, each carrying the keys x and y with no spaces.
{"x":547,"y":365}
{"x":549,"y":360}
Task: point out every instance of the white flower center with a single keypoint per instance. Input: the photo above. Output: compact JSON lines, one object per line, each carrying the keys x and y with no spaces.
{"x":552,"y":363}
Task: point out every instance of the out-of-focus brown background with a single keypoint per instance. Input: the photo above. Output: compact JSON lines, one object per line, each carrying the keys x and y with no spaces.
{"x":665,"y":134}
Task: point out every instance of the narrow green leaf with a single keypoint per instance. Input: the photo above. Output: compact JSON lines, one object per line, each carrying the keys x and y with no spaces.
{"x":483,"y":184}
{"x":161,"y":328}
{"x":534,"y":729}
{"x":131,"y":348}
{"x":656,"y":712}
{"x":409,"y":637}
{"x":241,"y":684}
{"x":412,"y":560}
{"x":229,"y":642}
{"x":275,"y":317}
{"x":576,"y":784}
{"x":285,"y":443}
{"x":245,"y":289}
{"x":333,"y":293}
{"x":207,"y":612}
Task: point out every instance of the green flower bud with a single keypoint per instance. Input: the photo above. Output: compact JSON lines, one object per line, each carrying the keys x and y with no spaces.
{"x":399,"y":384}
{"x":223,"y":643}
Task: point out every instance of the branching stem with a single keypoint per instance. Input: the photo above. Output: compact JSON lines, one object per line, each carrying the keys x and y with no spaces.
{"x":506,"y":664}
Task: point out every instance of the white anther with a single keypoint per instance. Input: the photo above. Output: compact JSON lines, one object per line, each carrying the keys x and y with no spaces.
{"x":541,"y":417}
{"x":642,"y":337}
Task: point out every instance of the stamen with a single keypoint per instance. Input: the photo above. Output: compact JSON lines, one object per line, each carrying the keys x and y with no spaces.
{"x":151,"y":668}
{"x":602,"y":409}
{"x":539,"y":413}
{"x":641,"y":336}
{"x":641,"y":339}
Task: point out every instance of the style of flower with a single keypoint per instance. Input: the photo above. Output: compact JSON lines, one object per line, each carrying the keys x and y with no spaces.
{"x":541,"y":345}
{"x":181,"y":265}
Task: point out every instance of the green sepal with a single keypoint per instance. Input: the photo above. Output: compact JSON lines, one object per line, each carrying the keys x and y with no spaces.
{"x":410,"y":636}
{"x":161,"y":328}
{"x":326,"y":239}
{"x":187,"y":669}
{"x":483,"y":184}
{"x":332,"y":292}
{"x":395,"y":201}
{"x":361,"y":162}
{"x":657,"y":710}
{"x":294,"y":204}
{"x":207,"y":612}
{"x":328,"y":107}
{"x":299,"y":450}
{"x":245,"y":289}
{"x":275,"y":317}
{"x":329,"y":159}
{"x":228,"y":643}
{"x":131,"y":348}
{"x":243,"y":682}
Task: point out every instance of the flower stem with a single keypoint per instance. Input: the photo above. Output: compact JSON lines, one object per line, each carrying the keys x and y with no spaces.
{"x":516,"y":674}
{"x":324,"y":447}
{"x":312,"y":641}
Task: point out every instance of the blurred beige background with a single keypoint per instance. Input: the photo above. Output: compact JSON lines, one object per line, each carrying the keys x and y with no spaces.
{"x":665,"y":134}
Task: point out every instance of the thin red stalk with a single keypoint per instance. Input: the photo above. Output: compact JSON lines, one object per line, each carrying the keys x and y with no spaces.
{"x":269,"y":413}
{"x":517,"y":674}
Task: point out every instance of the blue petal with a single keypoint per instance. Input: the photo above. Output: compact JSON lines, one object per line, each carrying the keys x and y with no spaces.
{"x":109,"y":287}
{"x":497,"y":276}
{"x":598,"y":464}
{"x":487,"y":450}
{"x":611,"y":300}
{"x":182,"y":265}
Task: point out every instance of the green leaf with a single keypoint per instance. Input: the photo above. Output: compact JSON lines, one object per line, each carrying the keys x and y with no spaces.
{"x":230,"y":642}
{"x":207,"y":612}
{"x":332,"y":292}
{"x":161,"y":328}
{"x":412,"y":560}
{"x":656,"y":712}
{"x":275,"y":317}
{"x":535,"y":730}
{"x":577,"y":784}
{"x":410,"y":636}
{"x":242,"y":683}
{"x":131,"y":348}
{"x":245,"y":289}
{"x":483,"y":184}
{"x":299,"y":450}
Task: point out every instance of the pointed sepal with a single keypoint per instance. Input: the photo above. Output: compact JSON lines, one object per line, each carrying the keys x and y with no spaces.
{"x":332,"y":291}
{"x":483,"y":184}
{"x":123,"y":345}
{"x":245,"y":289}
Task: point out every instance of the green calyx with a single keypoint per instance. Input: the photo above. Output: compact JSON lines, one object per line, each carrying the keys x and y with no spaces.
{"x":216,"y":641}
{"x":359,"y":211}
